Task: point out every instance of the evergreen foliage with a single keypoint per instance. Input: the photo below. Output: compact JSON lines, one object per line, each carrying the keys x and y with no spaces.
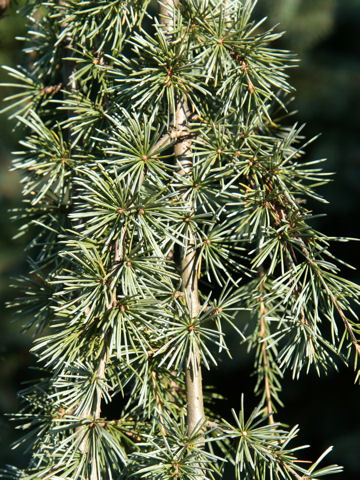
{"x":165,"y":191}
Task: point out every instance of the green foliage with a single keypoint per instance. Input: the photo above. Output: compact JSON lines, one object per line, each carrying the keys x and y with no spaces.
{"x":262,"y":449}
{"x":117,"y":216}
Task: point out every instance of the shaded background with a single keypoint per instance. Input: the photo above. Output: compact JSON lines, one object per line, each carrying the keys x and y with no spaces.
{"x":325,"y":34}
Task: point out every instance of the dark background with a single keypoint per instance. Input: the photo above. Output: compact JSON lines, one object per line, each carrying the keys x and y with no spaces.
{"x":325,"y":34}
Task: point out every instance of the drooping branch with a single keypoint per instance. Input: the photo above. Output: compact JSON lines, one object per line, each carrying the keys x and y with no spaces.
{"x":348,"y":327}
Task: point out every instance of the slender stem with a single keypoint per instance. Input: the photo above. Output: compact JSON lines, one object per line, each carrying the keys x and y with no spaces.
{"x":262,"y":335}
{"x":182,"y":151}
{"x":264,"y":356}
{"x":194,"y":390}
{"x":194,"y":395}
{"x":158,"y":400}
{"x":94,"y":410}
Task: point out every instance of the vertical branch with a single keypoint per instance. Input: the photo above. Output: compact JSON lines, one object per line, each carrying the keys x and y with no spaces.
{"x":264,"y":357}
{"x":101,"y":371}
{"x":268,"y":370}
{"x":182,"y":152}
{"x":95,"y":408}
{"x":194,"y":392}
{"x":158,"y":400}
